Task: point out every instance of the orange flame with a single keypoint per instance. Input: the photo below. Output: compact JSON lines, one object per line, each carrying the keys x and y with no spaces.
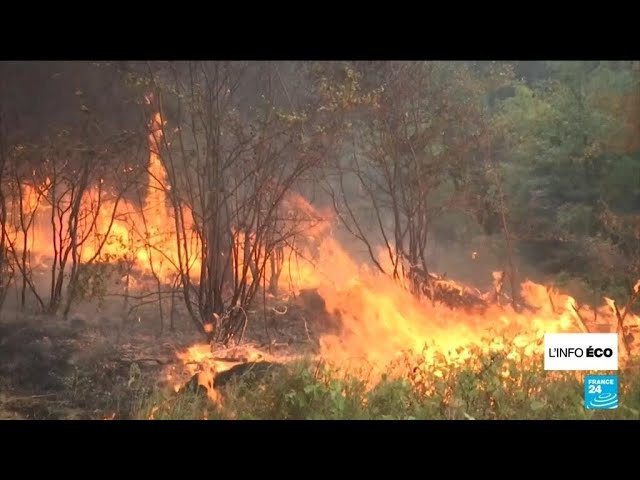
{"x":380,"y":319}
{"x":123,"y":231}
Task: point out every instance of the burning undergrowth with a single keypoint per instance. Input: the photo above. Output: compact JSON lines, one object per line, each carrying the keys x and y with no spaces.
{"x":365,"y":328}
{"x":369,"y":327}
{"x":376,"y":349}
{"x":487,"y":386}
{"x":364,"y":324}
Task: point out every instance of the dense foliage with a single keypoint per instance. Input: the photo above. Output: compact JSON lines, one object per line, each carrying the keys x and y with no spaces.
{"x":572,"y":170}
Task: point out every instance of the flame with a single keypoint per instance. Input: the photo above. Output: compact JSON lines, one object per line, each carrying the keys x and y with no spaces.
{"x":199,"y":360}
{"x":381,"y":320}
{"x":141,"y":235}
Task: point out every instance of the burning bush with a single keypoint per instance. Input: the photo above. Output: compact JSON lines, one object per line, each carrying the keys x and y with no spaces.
{"x":218,"y":210}
{"x":484,"y":386}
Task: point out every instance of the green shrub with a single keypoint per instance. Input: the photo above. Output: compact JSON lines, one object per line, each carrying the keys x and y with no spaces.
{"x":487,"y":386}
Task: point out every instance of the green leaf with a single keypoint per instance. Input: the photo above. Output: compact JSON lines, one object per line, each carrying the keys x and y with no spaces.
{"x":536,"y":405}
{"x":632,"y":410}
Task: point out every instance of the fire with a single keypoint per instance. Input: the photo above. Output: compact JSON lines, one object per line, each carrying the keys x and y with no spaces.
{"x":200,"y":361}
{"x":381,"y":320}
{"x":141,"y":235}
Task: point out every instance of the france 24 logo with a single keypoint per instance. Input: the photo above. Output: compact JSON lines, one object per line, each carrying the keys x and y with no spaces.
{"x":600,"y":391}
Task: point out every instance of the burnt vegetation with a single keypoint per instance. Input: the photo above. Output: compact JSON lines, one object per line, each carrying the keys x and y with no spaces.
{"x":181,"y":192}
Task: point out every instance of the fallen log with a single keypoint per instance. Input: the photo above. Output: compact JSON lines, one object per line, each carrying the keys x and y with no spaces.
{"x":456,"y":294}
{"x":451,"y":293}
{"x":255,"y":370}
{"x":203,"y":385}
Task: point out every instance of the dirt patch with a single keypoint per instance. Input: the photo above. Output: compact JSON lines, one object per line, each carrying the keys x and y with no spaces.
{"x":34,"y":358}
{"x":39,"y":407}
{"x":51,"y":369}
{"x":89,"y":368}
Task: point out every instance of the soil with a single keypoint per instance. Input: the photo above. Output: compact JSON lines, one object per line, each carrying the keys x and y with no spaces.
{"x":95,"y":368}
{"x":99,"y":367}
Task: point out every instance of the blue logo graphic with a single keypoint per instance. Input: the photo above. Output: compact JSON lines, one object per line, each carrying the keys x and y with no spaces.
{"x":600,"y":391}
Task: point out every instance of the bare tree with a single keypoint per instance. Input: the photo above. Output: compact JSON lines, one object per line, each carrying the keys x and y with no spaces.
{"x":234,"y":145}
{"x":67,"y":174}
{"x":27,"y":199}
{"x":411,"y":155}
{"x":6,"y":270}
